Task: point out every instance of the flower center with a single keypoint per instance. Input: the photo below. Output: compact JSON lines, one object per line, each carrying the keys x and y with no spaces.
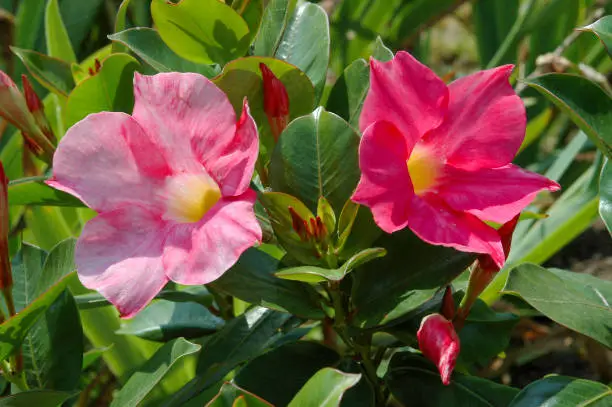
{"x":423,"y":170}
{"x":189,"y":196}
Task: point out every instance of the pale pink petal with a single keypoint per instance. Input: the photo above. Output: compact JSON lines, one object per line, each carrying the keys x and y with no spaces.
{"x":435,"y":222}
{"x":188,"y":117}
{"x":200,"y":253}
{"x":119,"y":254}
{"x":95,"y":162}
{"x":485,"y":124}
{"x":495,"y":195}
{"x":385,"y":185}
{"x":406,"y":93}
{"x":236,"y":163}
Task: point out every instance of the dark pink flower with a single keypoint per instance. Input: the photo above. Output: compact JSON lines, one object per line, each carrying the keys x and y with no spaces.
{"x":170,"y":183}
{"x":439,"y":343}
{"x":437,"y":158}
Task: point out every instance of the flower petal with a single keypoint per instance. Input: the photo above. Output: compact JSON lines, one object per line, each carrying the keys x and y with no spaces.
{"x":119,"y":254}
{"x":95,"y":162}
{"x":406,"y":93}
{"x":485,"y":124}
{"x":385,"y":185}
{"x":200,"y":253}
{"x":435,"y":222}
{"x":236,"y":163}
{"x":496,"y":194}
{"x":188,"y":116}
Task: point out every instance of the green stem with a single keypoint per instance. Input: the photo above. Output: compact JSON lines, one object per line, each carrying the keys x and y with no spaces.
{"x":18,"y":379}
{"x":370,"y":371}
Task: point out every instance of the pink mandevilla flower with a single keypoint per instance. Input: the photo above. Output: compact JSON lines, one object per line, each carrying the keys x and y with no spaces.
{"x":170,"y":183}
{"x":437,"y":158}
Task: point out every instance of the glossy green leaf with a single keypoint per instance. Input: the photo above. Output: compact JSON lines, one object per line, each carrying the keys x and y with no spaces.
{"x":120,"y":22}
{"x":277,"y":206}
{"x":316,"y":156}
{"x":306,"y":43}
{"x":588,"y":105}
{"x":413,"y":380}
{"x":148,"y":45}
{"x":242,"y":338}
{"x":325,"y":389}
{"x":231,"y":395}
{"x":312,"y":274}
{"x":151,"y":373}
{"x":52,"y":73}
{"x":602,"y":28}
{"x":33,"y":191}
{"x":111,"y":89}
{"x":492,"y":23}
{"x":203,"y":31}
{"x":58,"y":42}
{"x":242,"y":78}
{"x":579,"y":301}
{"x":252,"y":12}
{"x":252,"y":280}
{"x":404,"y":280}
{"x":381,"y":52}
{"x":563,"y":391}
{"x":289,"y":367}
{"x":38,"y":398}
{"x":605,"y":192}
{"x":275,"y":19}
{"x":164,"y":320}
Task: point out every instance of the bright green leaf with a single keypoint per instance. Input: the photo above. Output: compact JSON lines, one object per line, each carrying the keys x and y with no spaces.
{"x":58,"y":42}
{"x":32,"y":191}
{"x":276,"y":16}
{"x":563,"y":391}
{"x":52,"y":73}
{"x":603,"y":29}
{"x":325,"y":389}
{"x":38,"y":398}
{"x":230,"y":394}
{"x":252,"y":12}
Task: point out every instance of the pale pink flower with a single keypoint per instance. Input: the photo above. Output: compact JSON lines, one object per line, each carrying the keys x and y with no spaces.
{"x":170,"y":183}
{"x":437,"y":158}
{"x":439,"y":343}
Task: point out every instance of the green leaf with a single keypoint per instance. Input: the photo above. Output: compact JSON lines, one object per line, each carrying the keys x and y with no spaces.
{"x":164,"y":320}
{"x":404,"y":280}
{"x":563,"y":391}
{"x":204,"y":31}
{"x":316,"y":156}
{"x":306,"y":43}
{"x":252,"y":280}
{"x":312,"y":274}
{"x":39,"y":398}
{"x":32,"y":191}
{"x":110,"y":89}
{"x":120,"y":21}
{"x":231,"y":395}
{"x":579,"y":301}
{"x":242,"y":338}
{"x":148,"y":45}
{"x":242,"y":78}
{"x":605,"y":192}
{"x":414,"y":16}
{"x":381,"y":52}
{"x":413,"y":380}
{"x":289,"y":367}
{"x":252,"y":12}
{"x":493,"y":22}
{"x":602,"y":28}
{"x":486,"y":333}
{"x":326,"y":213}
{"x":58,"y":42}
{"x":325,"y":388}
{"x":277,"y":206}
{"x":276,"y":16}
{"x":588,"y":105}
{"x":52,"y":73}
{"x":142,"y":382}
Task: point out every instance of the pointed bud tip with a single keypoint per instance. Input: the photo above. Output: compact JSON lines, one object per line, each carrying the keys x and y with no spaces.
{"x":439,"y":343}
{"x":276,"y":100}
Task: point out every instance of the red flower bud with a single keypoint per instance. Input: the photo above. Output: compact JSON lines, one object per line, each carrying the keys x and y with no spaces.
{"x":276,"y":101}
{"x":448,"y":304}
{"x":439,"y":343}
{"x":6,"y":278}
{"x":37,"y":109}
{"x":300,"y":226}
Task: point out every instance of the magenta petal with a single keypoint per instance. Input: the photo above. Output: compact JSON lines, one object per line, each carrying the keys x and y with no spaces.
{"x":181,"y":112}
{"x":439,"y":343}
{"x":485,"y":124}
{"x":406,"y":93}
{"x":119,"y":254}
{"x":94,"y":162}
{"x":201,"y":253}
{"x":496,"y":194}
{"x":435,"y":222}
{"x":385,"y":185}
{"x":236,"y":163}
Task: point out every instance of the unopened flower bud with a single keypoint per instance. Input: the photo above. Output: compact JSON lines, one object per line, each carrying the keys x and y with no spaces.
{"x":37,"y":109}
{"x":439,"y":343}
{"x":6,"y":279}
{"x":300,"y":226}
{"x":448,"y":304}
{"x":276,"y":101}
